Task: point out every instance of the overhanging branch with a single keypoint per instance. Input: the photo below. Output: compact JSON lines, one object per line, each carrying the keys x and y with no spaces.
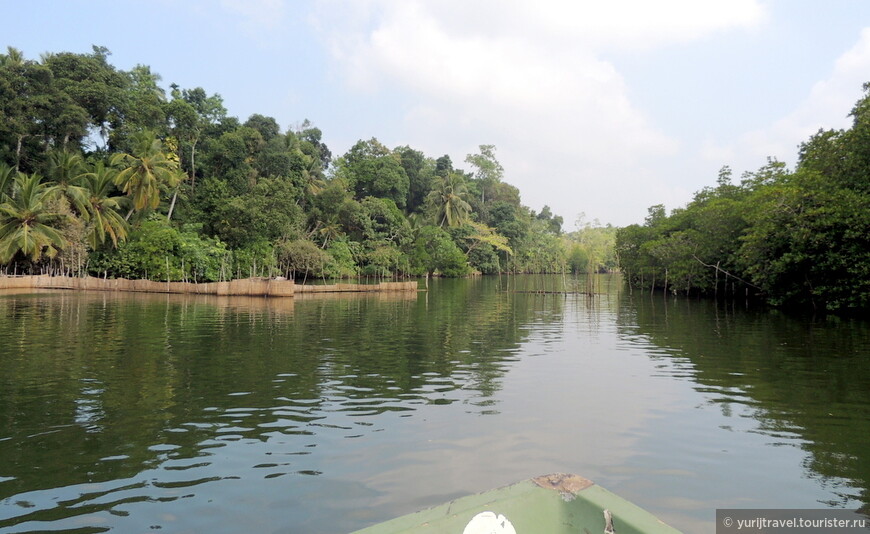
{"x":726,"y":273}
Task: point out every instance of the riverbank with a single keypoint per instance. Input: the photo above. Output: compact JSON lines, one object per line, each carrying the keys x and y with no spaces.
{"x":258,"y":287}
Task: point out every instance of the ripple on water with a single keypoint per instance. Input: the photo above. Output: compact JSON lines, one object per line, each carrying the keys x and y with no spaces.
{"x":226,"y":411}
{"x":110,"y":459}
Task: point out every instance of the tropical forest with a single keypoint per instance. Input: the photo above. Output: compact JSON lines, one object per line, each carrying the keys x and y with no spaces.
{"x":797,"y":239}
{"x":311,"y":319}
{"x":105,"y":172}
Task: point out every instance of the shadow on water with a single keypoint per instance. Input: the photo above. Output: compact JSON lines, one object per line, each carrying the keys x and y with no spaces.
{"x":110,"y":401}
{"x":190,"y":413}
{"x":800,"y":383}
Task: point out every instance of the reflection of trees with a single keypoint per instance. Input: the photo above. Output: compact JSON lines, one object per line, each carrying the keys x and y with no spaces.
{"x":799,"y":377}
{"x":91,"y":376}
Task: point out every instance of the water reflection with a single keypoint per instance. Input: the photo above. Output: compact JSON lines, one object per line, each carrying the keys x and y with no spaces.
{"x":795,"y":382}
{"x":329,"y":413}
{"x":109,"y":401}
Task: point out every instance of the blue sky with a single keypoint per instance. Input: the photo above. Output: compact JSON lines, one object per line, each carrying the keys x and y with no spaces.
{"x":602,"y":108}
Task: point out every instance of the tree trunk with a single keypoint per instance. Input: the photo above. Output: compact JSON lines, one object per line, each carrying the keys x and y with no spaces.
{"x":172,"y":205}
{"x":666,"y":284}
{"x":193,"y":167}
{"x":18,"y":152}
{"x":716,"y":290}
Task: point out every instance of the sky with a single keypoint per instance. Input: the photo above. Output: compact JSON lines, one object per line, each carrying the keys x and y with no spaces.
{"x":598,"y":109}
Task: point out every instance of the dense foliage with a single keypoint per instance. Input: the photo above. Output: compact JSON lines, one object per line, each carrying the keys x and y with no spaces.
{"x":103,"y":171}
{"x":797,"y":238}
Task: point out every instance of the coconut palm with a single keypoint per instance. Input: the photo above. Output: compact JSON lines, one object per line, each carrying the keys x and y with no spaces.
{"x":329,"y":230}
{"x":7,"y":176}
{"x":12,"y":58}
{"x":66,"y":169}
{"x":102,"y":214}
{"x":29,"y":220}
{"x":145,"y":172}
{"x":312,"y":176}
{"x":448,"y":202}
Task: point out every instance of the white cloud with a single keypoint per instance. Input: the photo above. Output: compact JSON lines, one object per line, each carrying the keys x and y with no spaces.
{"x":531,"y":79}
{"x":615,"y":24}
{"x":826,"y":106}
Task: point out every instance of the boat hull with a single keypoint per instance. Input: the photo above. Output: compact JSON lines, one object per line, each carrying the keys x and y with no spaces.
{"x":552,"y":503}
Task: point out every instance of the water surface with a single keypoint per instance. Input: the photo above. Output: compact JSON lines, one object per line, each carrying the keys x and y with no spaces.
{"x":139,"y":413}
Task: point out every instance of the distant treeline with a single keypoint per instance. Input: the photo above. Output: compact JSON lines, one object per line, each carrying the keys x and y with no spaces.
{"x":797,"y":238}
{"x":103,"y":171}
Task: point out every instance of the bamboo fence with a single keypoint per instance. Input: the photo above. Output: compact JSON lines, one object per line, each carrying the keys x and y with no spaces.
{"x":259,"y":287}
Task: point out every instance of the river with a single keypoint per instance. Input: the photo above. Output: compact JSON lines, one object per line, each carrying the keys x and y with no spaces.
{"x":143,"y":413}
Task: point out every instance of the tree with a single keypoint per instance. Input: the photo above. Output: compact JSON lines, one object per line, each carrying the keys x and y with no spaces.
{"x":7,"y":177}
{"x":66,"y":169}
{"x":311,"y":143}
{"x":186,"y":127}
{"x":483,"y":234}
{"x":192,"y":114}
{"x":92,"y":83}
{"x":142,"y":108}
{"x":421,"y":172}
{"x":36,"y":114}
{"x":329,"y":230}
{"x":443,"y":166}
{"x":268,"y":211}
{"x":578,"y":260}
{"x":324,"y":211}
{"x":102,"y":214}
{"x":301,"y":256}
{"x":228,"y":158}
{"x":145,"y":172}
{"x":807,"y":243}
{"x":446,"y":201}
{"x":553,"y":222}
{"x":12,"y":58}
{"x":655,"y":215}
{"x":370,"y":169}
{"x":594,"y":247}
{"x":311,"y":175}
{"x":433,"y":250}
{"x":29,"y":221}
{"x":156,"y":250}
{"x":488,"y":171}
{"x":267,"y":126}
{"x":384,"y":220}
{"x":511,"y":221}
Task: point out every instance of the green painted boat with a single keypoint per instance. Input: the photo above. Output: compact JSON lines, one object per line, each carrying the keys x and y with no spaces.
{"x":553,"y":504}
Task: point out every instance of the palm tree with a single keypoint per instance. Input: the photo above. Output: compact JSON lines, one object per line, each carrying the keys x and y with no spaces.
{"x":7,"y":176}
{"x":102,"y":210}
{"x":312,"y":179}
{"x":67,"y":169}
{"x":28,"y":221}
{"x":329,"y":230}
{"x":312,"y":176}
{"x":448,"y":202}
{"x":145,"y":172}
{"x":12,"y":58}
